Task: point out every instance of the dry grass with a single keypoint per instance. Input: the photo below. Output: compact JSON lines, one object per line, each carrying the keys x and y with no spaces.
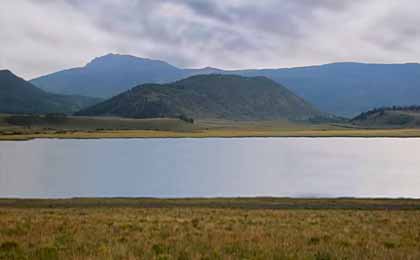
{"x":212,"y":133}
{"x":208,"y":233}
{"x":128,"y":233}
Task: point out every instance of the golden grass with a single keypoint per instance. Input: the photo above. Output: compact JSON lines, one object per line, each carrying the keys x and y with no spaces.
{"x":207,"y":233}
{"x":214,"y":133}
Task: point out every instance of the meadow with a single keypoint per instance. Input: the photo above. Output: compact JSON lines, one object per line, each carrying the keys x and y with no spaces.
{"x":109,"y":127}
{"x":209,"y":229}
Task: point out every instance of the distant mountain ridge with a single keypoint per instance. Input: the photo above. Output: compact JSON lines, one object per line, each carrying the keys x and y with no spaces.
{"x":348,"y":89}
{"x":344,"y":89}
{"x":213,"y":96}
{"x":20,"y":96}
{"x":109,"y":75}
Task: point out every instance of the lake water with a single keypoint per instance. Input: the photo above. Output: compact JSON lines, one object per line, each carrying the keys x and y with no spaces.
{"x":292,"y":167}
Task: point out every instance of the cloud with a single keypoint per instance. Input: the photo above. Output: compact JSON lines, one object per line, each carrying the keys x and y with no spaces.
{"x":39,"y":37}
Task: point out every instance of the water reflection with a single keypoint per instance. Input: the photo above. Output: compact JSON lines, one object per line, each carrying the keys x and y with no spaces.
{"x":295,"y":167}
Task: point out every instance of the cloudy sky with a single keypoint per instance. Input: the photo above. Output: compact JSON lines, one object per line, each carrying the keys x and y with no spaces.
{"x":41,"y":36}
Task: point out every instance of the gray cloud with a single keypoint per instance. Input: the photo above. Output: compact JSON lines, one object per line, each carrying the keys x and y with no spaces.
{"x":39,"y":37}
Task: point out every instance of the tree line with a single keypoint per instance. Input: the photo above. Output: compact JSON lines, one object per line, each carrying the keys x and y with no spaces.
{"x":381,"y":111}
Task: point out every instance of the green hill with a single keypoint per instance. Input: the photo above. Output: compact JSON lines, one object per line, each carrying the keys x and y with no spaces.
{"x":208,"y":96}
{"x":19,"y":96}
{"x":392,"y":117}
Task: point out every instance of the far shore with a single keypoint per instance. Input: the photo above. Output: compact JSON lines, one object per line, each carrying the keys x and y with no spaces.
{"x":224,"y":133}
{"x":222,"y":202}
{"x":108,"y":127}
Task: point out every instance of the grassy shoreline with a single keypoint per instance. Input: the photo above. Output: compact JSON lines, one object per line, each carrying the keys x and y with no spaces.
{"x":368,"y":133}
{"x":105,"y":127}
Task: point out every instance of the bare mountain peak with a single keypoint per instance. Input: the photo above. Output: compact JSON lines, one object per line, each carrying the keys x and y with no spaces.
{"x":114,"y":59}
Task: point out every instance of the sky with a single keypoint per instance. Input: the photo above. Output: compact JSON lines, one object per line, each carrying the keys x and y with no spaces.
{"x":38,"y":37}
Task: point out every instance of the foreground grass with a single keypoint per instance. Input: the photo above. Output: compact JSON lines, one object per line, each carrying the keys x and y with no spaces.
{"x":208,"y":229}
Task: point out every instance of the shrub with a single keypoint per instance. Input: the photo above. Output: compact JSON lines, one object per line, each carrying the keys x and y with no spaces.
{"x":47,"y":253}
{"x":186,"y":119}
{"x":10,"y":250}
{"x":9,"y":246}
{"x":322,"y":256}
{"x":195,"y":222}
{"x":314,"y":241}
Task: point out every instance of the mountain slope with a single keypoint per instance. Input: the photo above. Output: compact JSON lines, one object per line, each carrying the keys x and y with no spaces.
{"x":20,"y":96}
{"x":392,"y":117}
{"x":345,"y":89}
{"x":208,"y":96}
{"x":348,"y":89}
{"x":108,"y":76}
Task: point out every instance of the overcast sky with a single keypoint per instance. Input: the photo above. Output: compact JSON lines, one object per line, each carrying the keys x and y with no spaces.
{"x":42,"y":36}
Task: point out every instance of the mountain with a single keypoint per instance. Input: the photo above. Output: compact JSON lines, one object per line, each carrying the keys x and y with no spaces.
{"x":208,"y":96}
{"x":344,"y":89}
{"x":20,"y":96}
{"x":109,"y":75}
{"x":348,"y":89}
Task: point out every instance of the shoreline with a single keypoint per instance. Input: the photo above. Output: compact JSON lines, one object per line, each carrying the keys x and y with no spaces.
{"x":249,"y":203}
{"x":226,"y":133}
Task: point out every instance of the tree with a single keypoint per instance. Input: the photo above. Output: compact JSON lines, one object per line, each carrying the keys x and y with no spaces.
{"x":186,"y":119}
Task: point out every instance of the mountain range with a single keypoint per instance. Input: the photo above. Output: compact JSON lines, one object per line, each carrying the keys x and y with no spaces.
{"x":208,"y":96}
{"x":20,"y":96}
{"x":344,"y":89}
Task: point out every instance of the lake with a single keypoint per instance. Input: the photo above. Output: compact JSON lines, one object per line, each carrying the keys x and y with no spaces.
{"x":212,"y":167}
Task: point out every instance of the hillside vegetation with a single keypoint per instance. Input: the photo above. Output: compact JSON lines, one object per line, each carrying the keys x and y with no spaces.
{"x":208,"y":96}
{"x":20,"y":96}
{"x":396,"y":117}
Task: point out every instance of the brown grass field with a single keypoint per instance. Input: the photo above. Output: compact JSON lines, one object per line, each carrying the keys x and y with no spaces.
{"x":260,"y":228}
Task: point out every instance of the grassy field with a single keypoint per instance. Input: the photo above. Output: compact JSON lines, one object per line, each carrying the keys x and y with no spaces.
{"x":101,"y":123}
{"x":90,"y":128}
{"x":262,"y":228}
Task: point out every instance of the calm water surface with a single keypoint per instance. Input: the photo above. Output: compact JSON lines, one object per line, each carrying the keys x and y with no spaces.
{"x":295,"y":167}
